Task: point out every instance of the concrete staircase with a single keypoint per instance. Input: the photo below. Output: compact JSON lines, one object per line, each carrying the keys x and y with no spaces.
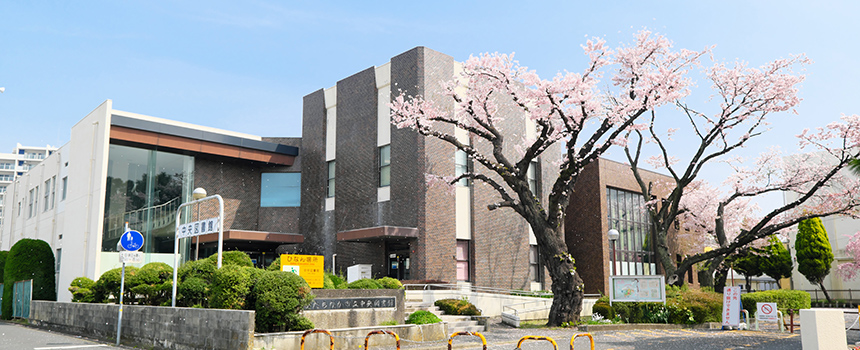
{"x":455,"y":323}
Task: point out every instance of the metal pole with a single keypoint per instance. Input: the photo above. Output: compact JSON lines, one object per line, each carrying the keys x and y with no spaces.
{"x":121,"y":291}
{"x":614,"y":273}
{"x":220,"y":227}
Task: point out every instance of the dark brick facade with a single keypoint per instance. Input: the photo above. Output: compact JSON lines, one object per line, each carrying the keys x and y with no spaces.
{"x":586,"y":224}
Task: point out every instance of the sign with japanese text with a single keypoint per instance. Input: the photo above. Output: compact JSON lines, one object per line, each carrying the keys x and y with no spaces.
{"x":351,"y":303}
{"x":310,"y":267}
{"x":732,"y":306}
{"x":197,"y":228}
{"x":130,"y":257}
{"x":765,"y":312}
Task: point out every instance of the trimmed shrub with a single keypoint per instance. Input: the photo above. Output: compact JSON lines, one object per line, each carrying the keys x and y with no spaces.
{"x":203,"y":269}
{"x":3,"y":255}
{"x":82,"y":290}
{"x":457,"y":307}
{"x":230,"y":287}
{"x":390,"y":283}
{"x":603,"y":309}
{"x":339,"y":282}
{"x":233,"y":257}
{"x":683,"y":306}
{"x":784,"y":299}
{"x":153,"y":284}
{"x":422,"y":317}
{"x":279,"y":298}
{"x":364,"y":283}
{"x":29,"y":259}
{"x":107,"y":287}
{"x":193,"y":291}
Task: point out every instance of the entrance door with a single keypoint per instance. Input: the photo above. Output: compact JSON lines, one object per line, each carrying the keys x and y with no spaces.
{"x":398,"y":260}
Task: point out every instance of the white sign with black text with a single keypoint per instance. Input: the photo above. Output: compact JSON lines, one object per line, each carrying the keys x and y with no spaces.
{"x":197,"y":228}
{"x":765,"y":312}
{"x":130,"y":257}
{"x":732,"y":306}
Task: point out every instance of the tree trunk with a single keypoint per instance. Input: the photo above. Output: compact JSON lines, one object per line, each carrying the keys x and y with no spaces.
{"x":720,"y":279}
{"x":567,"y":286}
{"x":826,"y":296}
{"x":661,"y":248}
{"x":706,"y":276}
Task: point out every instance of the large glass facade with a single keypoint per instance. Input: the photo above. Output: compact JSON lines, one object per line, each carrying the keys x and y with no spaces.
{"x":634,"y":254}
{"x":145,"y":188}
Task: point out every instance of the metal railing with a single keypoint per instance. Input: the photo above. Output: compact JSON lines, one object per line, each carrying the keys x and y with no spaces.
{"x":841,"y":296}
{"x":477,"y":289}
{"x":162,"y":215}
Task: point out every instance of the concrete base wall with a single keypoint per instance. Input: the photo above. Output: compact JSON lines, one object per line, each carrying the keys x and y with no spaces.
{"x":150,"y":326}
{"x":822,"y":329}
{"x":347,"y":318}
{"x":493,"y":304}
{"x":353,"y":338}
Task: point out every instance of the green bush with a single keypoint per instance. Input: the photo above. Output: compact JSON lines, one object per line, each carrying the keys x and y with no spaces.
{"x":193,"y":291}
{"x":364,"y":283}
{"x":233,"y":257}
{"x":230,"y":287}
{"x":422,"y":317}
{"x":389,"y":283}
{"x":784,"y":299}
{"x":203,"y":269}
{"x":153,"y":284}
{"x":29,"y":259}
{"x":339,"y":282}
{"x":82,"y":290}
{"x":279,"y":298}
{"x":457,"y":307}
{"x":3,"y":255}
{"x":603,"y":309}
{"x":107,"y":287}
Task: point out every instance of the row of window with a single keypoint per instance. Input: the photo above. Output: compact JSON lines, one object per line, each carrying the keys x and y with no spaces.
{"x":7,"y":166}
{"x":49,"y":189}
{"x":6,"y":177}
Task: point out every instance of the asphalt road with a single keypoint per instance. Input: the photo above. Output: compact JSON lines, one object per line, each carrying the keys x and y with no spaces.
{"x":17,"y":337}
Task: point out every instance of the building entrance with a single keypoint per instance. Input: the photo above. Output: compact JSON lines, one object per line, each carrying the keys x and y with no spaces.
{"x":398,"y":260}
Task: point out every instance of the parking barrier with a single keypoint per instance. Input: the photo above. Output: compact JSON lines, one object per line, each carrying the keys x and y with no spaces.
{"x":532,"y":337}
{"x":330,"y":337}
{"x":483,"y":340}
{"x":367,"y":338}
{"x":590,"y":339}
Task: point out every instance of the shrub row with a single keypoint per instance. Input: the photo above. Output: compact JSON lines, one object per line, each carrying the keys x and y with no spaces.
{"x":683,"y":306}
{"x":784,"y":299}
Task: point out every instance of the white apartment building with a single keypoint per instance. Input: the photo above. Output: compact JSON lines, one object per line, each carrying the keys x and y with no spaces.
{"x":15,"y":164}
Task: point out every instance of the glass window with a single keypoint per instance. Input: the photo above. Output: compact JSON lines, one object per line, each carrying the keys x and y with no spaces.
{"x":47,"y":195}
{"x":35,"y":209}
{"x":145,"y":188}
{"x":462,"y":256}
{"x":531,"y":175}
{"x":634,"y":254}
{"x":280,"y":190}
{"x":461,"y":166}
{"x":385,"y":166}
{"x":534,"y":264}
{"x":6,"y":177}
{"x":65,"y":187}
{"x":53,"y":191}
{"x":330,"y":184}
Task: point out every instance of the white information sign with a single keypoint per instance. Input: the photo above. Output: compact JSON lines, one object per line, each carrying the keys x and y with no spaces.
{"x":130,"y":257}
{"x":732,"y":306}
{"x":765,"y":312}
{"x":637,"y":288}
{"x":197,"y":228}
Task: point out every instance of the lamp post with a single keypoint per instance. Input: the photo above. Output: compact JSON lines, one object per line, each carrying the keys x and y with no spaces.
{"x":613,"y":236}
{"x":198,"y":193}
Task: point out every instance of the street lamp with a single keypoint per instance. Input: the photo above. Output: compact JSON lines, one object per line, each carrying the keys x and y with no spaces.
{"x":613,"y":236}
{"x":198,"y":193}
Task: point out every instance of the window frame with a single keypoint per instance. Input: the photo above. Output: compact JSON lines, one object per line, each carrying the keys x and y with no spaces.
{"x":282,"y":180}
{"x":464,"y":260}
{"x":384,"y":167}
{"x":331,"y":168}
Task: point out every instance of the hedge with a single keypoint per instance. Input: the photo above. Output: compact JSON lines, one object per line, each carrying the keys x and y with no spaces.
{"x":784,"y":299}
{"x":29,"y":259}
{"x":82,"y":290}
{"x":457,"y":307}
{"x":364,"y":283}
{"x":153,"y":283}
{"x":422,"y":317}
{"x":279,"y":297}
{"x":107,"y":287}
{"x":231,"y":285}
{"x":683,"y":306}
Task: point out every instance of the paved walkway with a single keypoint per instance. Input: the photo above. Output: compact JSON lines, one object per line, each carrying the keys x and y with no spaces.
{"x":14,"y":336}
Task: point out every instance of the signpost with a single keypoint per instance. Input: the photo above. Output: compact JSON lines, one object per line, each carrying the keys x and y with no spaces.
{"x":765,"y":312}
{"x":732,"y":306}
{"x":309,"y":267}
{"x":197,"y":228}
{"x":129,"y":243}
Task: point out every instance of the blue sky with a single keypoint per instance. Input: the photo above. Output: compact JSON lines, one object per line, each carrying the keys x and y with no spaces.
{"x":245,"y":66}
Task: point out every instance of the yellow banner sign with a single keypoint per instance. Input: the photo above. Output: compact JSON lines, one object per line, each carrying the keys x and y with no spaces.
{"x":310,"y":267}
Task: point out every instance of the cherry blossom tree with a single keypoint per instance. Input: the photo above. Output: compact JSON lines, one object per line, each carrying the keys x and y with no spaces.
{"x":747,"y":97}
{"x":569,"y":110}
{"x":817,"y":179}
{"x":851,"y":270}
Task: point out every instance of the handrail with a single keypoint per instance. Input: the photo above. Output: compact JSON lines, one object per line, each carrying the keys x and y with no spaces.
{"x":491,"y":290}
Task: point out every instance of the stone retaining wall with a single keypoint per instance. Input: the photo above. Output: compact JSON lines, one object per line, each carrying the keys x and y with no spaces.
{"x":150,"y":326}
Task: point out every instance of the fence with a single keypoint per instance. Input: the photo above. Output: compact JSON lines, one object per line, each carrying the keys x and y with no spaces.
{"x":842,"y":297}
{"x":22,"y":294}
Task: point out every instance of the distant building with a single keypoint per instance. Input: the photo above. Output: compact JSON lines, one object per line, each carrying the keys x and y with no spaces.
{"x":16,"y":164}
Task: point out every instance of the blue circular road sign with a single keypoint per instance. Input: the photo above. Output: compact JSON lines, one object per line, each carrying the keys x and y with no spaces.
{"x":131,"y":240}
